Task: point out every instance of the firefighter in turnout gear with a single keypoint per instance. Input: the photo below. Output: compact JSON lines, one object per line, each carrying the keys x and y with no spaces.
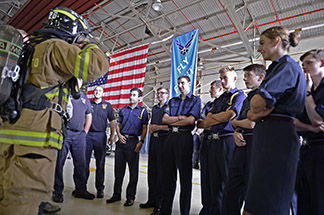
{"x":28,"y":148}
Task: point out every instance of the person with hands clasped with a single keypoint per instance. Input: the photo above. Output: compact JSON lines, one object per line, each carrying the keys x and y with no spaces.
{"x":310,"y":124}
{"x":280,"y":97}
{"x":132,"y":123}
{"x":237,"y":180}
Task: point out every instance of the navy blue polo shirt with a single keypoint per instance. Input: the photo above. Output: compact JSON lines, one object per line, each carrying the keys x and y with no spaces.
{"x":81,"y":107}
{"x":132,"y":120}
{"x":284,"y":87}
{"x":157,"y":115}
{"x":191,"y":105}
{"x":101,"y":112}
{"x":204,"y":113}
{"x":246,"y":108}
{"x":234,"y":99}
{"x":318,"y":96}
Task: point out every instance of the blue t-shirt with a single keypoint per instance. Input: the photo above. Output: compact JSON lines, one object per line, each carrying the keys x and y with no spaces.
{"x":101,"y":112}
{"x":81,"y":107}
{"x":190,"y":106}
{"x":132,"y":120}
{"x":233,"y":99}
{"x":284,"y":87}
{"x":318,"y":96}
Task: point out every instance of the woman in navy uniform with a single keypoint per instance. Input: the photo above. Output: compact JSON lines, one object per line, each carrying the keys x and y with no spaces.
{"x":97,"y":138}
{"x":224,"y":109}
{"x":310,"y":173}
{"x":180,"y":115}
{"x":216,"y":90}
{"x":238,"y":173}
{"x":132,"y":123}
{"x":280,"y":98}
{"x":159,"y":133}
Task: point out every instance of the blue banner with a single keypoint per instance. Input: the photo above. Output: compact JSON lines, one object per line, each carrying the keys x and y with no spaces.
{"x":184,"y":60}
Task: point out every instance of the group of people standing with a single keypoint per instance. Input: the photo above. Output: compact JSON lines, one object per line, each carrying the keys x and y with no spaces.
{"x":258,"y":150}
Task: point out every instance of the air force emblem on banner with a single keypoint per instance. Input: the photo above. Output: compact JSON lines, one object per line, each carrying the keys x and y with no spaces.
{"x":184,"y":49}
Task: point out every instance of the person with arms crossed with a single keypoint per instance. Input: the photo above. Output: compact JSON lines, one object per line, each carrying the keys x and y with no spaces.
{"x":180,"y":115}
{"x":224,"y":109}
{"x":280,"y":97}
{"x":238,"y":173}
{"x":216,"y":90}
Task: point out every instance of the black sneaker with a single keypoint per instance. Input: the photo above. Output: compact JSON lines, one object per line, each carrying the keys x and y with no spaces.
{"x":58,"y":197}
{"x":83,"y":195}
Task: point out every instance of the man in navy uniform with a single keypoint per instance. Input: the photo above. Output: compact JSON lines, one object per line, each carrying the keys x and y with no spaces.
{"x":159,"y":133}
{"x":77,"y":129}
{"x":132,"y":123}
{"x":224,"y":109}
{"x":216,"y":90}
{"x":96,"y":138}
{"x":181,"y":115}
{"x":239,"y":169}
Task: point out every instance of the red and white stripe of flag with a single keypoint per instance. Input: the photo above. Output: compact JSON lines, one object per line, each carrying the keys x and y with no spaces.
{"x":126,"y":71}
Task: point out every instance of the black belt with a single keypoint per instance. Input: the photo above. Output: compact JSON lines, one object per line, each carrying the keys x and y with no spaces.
{"x":279,"y":118}
{"x":217,"y":136}
{"x":74,"y":130}
{"x":179,"y":130}
{"x":130,"y":136}
{"x":316,"y":142}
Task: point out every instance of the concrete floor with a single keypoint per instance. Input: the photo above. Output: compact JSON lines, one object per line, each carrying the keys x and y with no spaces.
{"x":73,"y":205}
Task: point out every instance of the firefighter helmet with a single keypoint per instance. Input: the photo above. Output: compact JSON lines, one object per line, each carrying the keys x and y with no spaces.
{"x":68,"y":21}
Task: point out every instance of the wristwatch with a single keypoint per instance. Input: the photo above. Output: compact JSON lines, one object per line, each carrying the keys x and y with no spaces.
{"x":309,"y":93}
{"x":141,"y":141}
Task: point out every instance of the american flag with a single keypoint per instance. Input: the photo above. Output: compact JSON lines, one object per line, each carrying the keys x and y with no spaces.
{"x":126,"y":71}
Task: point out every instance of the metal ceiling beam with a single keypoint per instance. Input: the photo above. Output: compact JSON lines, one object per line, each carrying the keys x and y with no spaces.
{"x":145,"y":21}
{"x":159,"y":17}
{"x":229,"y":5}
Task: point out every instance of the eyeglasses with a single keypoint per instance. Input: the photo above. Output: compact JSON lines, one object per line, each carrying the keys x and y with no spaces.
{"x":161,"y":93}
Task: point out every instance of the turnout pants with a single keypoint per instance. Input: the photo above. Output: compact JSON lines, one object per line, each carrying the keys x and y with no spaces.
{"x":26,"y":178}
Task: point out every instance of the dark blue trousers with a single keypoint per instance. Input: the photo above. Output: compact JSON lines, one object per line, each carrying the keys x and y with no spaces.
{"x":96,"y":141}
{"x":219,"y":158}
{"x":237,"y":179}
{"x":177,"y":155}
{"x":124,"y":154}
{"x":155,"y":173}
{"x":204,"y":177}
{"x":310,"y":179}
{"x":76,"y":143}
{"x":196,"y":153}
{"x":273,"y":168}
